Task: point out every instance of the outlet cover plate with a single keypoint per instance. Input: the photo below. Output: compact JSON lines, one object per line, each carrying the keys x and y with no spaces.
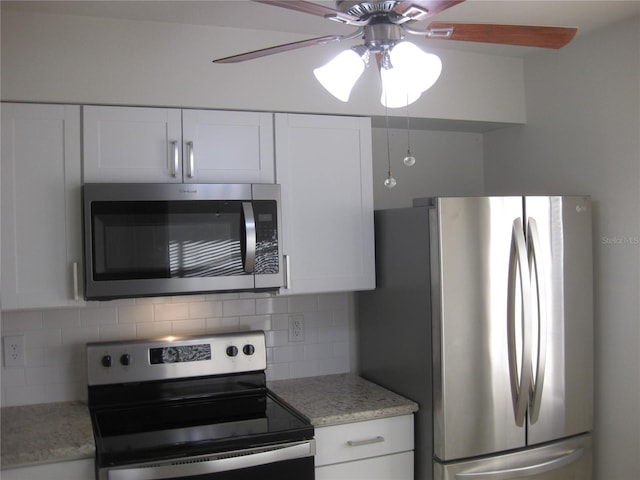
{"x":13,"y":348}
{"x":296,"y":328}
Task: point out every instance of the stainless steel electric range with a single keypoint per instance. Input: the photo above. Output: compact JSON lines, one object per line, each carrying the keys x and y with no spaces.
{"x":193,"y":407}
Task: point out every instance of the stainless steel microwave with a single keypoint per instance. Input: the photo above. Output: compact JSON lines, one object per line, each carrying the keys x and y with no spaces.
{"x":148,"y":239}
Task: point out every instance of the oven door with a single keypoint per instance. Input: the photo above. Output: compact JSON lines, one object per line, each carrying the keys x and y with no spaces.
{"x":290,"y":461}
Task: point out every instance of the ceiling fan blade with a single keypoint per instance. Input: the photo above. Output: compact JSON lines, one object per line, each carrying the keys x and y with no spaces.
{"x":521,"y":35}
{"x":422,"y":9}
{"x":313,"y":9}
{"x":263,"y":52}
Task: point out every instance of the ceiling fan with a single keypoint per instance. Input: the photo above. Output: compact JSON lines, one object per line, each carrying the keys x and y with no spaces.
{"x":405,"y":70}
{"x":384,"y":23}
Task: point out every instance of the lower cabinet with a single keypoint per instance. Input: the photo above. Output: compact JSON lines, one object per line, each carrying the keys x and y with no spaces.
{"x":380,"y":449}
{"x":72,"y":470}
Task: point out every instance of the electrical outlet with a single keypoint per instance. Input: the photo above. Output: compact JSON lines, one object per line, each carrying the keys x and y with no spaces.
{"x":296,"y":328}
{"x":14,"y":351}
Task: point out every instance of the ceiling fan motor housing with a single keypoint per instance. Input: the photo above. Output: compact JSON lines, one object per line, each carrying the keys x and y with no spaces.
{"x":379,"y":37}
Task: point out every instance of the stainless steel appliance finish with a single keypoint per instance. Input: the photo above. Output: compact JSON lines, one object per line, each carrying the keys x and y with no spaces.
{"x":194,"y":407}
{"x":487,"y":305}
{"x":171,"y":239}
{"x":569,"y":459}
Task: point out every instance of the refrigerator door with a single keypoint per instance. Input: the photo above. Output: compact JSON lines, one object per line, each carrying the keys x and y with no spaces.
{"x":471,"y":241}
{"x":571,"y":459}
{"x":561,"y":401}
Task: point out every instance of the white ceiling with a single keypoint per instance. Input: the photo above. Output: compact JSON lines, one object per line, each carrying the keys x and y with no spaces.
{"x":587,"y":15}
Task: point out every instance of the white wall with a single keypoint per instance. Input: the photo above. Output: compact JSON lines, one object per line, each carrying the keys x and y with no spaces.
{"x":57,"y":58}
{"x":583,"y":136}
{"x":447,"y":163}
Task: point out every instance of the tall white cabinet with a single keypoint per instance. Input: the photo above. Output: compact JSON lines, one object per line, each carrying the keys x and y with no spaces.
{"x":324,"y":167}
{"x":172,"y":145}
{"x":41,"y":230}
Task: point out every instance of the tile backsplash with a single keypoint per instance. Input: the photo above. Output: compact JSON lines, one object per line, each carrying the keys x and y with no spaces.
{"x":54,"y":339}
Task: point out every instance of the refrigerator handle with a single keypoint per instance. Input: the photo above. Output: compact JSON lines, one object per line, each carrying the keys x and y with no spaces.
{"x":537,"y":275}
{"x":519,"y":276}
{"x":524,"y":471}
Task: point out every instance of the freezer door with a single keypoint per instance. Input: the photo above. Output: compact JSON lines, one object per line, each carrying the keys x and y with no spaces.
{"x":559,"y":237}
{"x":571,"y":459}
{"x":471,"y":241}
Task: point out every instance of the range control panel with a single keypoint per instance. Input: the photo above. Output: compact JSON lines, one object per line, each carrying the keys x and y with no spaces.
{"x":175,"y":357}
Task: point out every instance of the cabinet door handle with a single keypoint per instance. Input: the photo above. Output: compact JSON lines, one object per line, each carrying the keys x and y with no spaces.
{"x":190,"y":160}
{"x":368,"y":441}
{"x":75,"y":281}
{"x":175,"y":164}
{"x":287,"y":271}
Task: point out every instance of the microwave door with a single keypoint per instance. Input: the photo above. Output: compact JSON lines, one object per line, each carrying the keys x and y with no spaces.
{"x":167,"y":248}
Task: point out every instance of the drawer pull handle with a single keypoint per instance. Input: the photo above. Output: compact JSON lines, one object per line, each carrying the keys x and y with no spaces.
{"x":369,"y":441}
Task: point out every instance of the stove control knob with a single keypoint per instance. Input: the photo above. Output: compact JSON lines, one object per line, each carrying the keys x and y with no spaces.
{"x":232,"y":351}
{"x":249,"y":349}
{"x":106,"y":361}
{"x":125,"y":359}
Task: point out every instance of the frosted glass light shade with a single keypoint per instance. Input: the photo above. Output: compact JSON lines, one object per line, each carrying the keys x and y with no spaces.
{"x":412,"y":71}
{"x":341,"y":74}
{"x":395,"y":93}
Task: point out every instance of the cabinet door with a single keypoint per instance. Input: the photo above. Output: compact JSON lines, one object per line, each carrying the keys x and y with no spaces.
{"x":227,"y":147}
{"x":324,"y":165}
{"x":132,"y":144}
{"x":41,"y":235}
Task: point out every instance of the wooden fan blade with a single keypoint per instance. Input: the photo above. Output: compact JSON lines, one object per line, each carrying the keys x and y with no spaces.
{"x":313,"y":9}
{"x":422,"y":9}
{"x":263,"y":52}
{"x":521,"y":35}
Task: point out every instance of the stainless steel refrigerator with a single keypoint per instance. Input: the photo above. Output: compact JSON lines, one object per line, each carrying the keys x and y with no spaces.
{"x":483,"y":314}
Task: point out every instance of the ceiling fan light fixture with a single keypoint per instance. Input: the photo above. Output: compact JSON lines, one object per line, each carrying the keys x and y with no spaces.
{"x":395,"y":93}
{"x":407,"y":72}
{"x":339,"y":75}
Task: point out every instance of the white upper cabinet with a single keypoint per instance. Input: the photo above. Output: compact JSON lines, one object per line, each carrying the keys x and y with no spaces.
{"x":41,"y":220}
{"x":164,"y":145}
{"x":324,"y":167}
{"x":227,"y":147}
{"x":123,"y":144}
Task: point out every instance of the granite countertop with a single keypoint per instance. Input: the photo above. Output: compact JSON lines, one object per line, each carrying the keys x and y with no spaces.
{"x":45,"y":433}
{"x":53,"y":432}
{"x":344,"y":398}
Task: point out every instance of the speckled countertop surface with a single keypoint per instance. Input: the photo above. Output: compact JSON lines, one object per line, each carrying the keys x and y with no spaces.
{"x":334,"y":399}
{"x":53,"y":432}
{"x":44,"y":433}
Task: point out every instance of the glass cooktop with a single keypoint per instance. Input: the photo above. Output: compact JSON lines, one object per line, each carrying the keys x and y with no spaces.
{"x":178,"y":428}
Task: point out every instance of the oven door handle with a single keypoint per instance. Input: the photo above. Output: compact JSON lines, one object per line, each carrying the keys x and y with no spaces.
{"x":236,"y":460}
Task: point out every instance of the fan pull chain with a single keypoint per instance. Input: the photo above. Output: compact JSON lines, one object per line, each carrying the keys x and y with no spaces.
{"x":389,"y":182}
{"x":409,"y":160}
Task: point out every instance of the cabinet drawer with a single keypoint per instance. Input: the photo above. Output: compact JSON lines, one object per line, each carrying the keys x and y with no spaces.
{"x":353,"y":441}
{"x":398,"y":466}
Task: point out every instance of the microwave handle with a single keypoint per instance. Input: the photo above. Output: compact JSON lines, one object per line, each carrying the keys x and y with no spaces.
{"x":250,"y":237}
